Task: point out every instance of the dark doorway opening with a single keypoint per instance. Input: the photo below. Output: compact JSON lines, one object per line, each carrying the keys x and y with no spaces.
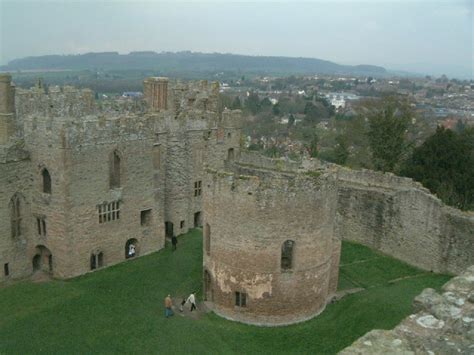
{"x":131,"y":248}
{"x":230,"y":154}
{"x":208,"y":294}
{"x":43,"y":259}
{"x":197,"y":219}
{"x":168,"y":229}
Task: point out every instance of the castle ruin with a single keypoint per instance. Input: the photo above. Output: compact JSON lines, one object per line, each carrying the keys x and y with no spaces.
{"x":82,"y":184}
{"x":86,"y":184}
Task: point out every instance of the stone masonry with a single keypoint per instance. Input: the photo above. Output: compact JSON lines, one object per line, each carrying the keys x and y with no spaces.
{"x":443,"y":324}
{"x":86,"y":184}
{"x":81,"y":182}
{"x":256,"y":204}
{"x":271,"y":256}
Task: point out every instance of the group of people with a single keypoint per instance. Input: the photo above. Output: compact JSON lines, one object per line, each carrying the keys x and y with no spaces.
{"x":169,"y":304}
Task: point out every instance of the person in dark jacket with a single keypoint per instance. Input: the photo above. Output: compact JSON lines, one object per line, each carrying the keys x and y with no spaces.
{"x":174,"y":241}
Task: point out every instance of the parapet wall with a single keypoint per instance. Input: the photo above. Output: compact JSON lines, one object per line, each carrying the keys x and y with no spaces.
{"x":442,"y":324}
{"x":57,"y":102}
{"x":256,"y":160}
{"x":400,"y":217}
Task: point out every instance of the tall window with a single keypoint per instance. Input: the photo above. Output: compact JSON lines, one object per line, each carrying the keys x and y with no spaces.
{"x":240,"y":299}
{"x":16,"y":218}
{"x":46,"y":181}
{"x":197,"y":188}
{"x":207,"y":238}
{"x":115,"y":170}
{"x":230,"y":154}
{"x":109,"y":211}
{"x":287,"y":255}
{"x":145,"y":218}
{"x":41,"y":225}
{"x":97,"y":260}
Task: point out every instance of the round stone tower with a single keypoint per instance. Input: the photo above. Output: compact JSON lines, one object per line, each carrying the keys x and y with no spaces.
{"x":271,"y":256}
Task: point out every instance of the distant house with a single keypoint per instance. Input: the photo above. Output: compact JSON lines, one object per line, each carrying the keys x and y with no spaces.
{"x":132,"y":94}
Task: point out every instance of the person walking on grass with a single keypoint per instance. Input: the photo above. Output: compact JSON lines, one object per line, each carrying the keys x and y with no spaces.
{"x":192,"y":300}
{"x":183,"y":302}
{"x":168,"y":306}
{"x":174,"y":241}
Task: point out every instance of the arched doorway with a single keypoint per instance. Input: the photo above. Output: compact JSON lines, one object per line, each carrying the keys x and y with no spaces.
{"x":131,"y":248}
{"x":208,"y":294}
{"x":43,"y":259}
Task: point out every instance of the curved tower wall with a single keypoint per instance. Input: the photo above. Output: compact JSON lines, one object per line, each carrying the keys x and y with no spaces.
{"x":247,"y":220}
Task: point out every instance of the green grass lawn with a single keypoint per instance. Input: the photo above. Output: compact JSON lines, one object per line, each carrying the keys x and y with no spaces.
{"x":120,"y":309}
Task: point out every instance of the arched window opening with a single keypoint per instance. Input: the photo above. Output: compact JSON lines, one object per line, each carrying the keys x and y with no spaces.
{"x":46,"y":181}
{"x":287,"y":255}
{"x":16,"y":218}
{"x":230,"y":154}
{"x":93,"y":262}
{"x":115,"y":170}
{"x":207,"y":239}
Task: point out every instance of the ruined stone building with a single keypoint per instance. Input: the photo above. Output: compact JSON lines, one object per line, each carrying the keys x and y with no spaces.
{"x":86,"y":184}
{"x":273,"y":231}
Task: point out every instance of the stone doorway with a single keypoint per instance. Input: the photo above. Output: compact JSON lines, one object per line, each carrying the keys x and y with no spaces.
{"x":208,"y":294}
{"x":168,"y":229}
{"x":43,"y":260}
{"x":131,"y":248}
{"x":197,"y":219}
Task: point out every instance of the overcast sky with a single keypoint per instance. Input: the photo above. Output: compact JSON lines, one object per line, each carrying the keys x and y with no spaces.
{"x":417,"y":35}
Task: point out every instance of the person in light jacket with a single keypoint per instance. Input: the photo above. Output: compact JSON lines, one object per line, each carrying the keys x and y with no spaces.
{"x":192,"y":299}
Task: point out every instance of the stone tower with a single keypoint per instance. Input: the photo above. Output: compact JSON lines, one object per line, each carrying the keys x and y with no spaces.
{"x":7,"y":108}
{"x":156,"y":93}
{"x":271,"y":255}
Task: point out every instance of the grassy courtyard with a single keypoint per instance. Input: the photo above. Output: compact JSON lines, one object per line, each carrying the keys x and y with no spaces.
{"x":120,"y":309}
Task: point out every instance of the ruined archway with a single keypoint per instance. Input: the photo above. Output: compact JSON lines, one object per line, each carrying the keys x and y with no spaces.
{"x":43,"y":259}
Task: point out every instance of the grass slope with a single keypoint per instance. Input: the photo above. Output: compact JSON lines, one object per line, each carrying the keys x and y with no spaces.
{"x":120,"y":309}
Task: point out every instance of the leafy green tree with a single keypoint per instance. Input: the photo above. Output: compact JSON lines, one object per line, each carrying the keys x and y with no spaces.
{"x":341,"y":151}
{"x":388,"y":120}
{"x":276,"y":109}
{"x":291,"y":121}
{"x":312,"y":113}
{"x":313,"y":146}
{"x":224,"y":101}
{"x":444,"y":163}
{"x":252,"y":103}
{"x":236,"y":104}
{"x":266,"y":105}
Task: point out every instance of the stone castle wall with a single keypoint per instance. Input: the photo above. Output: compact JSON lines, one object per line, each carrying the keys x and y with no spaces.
{"x":401,"y":218}
{"x":443,"y":324}
{"x":15,"y":180}
{"x":247,"y":220}
{"x":162,"y":151}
